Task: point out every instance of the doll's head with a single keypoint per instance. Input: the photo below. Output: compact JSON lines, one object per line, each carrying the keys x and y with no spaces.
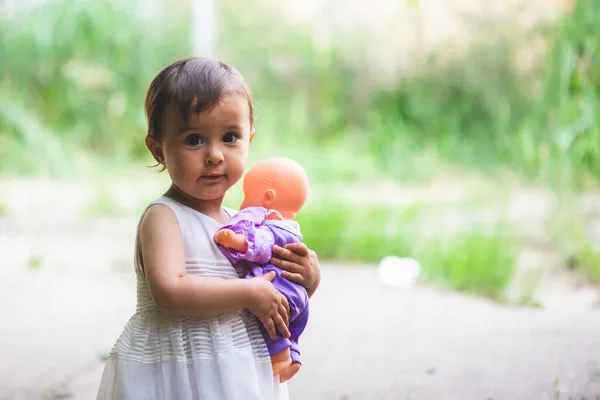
{"x":279,"y":184}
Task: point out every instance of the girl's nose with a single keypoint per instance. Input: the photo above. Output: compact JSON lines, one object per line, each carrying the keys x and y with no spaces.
{"x":215,"y":155}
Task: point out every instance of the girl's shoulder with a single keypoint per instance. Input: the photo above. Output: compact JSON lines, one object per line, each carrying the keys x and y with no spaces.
{"x":170,"y":203}
{"x":165,"y":211}
{"x":183,"y":213}
{"x":160,"y":210}
{"x":196,"y":229}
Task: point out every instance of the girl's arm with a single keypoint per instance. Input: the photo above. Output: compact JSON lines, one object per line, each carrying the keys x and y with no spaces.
{"x":174,"y":291}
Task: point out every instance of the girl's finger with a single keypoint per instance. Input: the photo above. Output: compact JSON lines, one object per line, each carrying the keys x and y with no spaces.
{"x":299,"y":248}
{"x":268,"y":276}
{"x":286,"y":254}
{"x":269,"y":326}
{"x":284,"y":313}
{"x":287,"y":265}
{"x":296,"y":278}
{"x":285,"y":303}
{"x":281,"y":326}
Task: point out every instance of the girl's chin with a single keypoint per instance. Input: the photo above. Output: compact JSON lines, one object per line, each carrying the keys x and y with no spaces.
{"x":210,"y":195}
{"x":196,"y":194}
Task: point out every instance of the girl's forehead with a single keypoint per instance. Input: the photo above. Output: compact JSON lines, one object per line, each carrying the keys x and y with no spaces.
{"x":231,"y":109}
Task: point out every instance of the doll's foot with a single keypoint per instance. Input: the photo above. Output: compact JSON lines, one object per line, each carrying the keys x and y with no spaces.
{"x":231,"y":240}
{"x":280,"y":361}
{"x":224,"y":236}
{"x":287,"y":373}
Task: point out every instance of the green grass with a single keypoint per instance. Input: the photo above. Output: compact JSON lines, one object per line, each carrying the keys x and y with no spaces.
{"x":587,"y":261}
{"x":71,"y":101}
{"x":568,"y":230}
{"x":478,"y":113}
{"x":476,"y":262}
{"x":479,"y":261}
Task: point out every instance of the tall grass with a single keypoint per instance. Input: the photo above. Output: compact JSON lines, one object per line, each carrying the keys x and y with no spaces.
{"x":576,"y":237}
{"x":72,"y":79}
{"x":67,"y":88}
{"x":477,"y":260}
{"x":479,"y":111}
{"x":73,"y":75}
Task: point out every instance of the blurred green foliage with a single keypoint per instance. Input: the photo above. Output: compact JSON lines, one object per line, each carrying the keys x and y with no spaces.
{"x":72,"y":79}
{"x":576,"y":239}
{"x":478,"y":260}
{"x":74,"y":73}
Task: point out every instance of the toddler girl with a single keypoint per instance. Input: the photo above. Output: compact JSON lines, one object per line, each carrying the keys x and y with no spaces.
{"x":195,"y":332}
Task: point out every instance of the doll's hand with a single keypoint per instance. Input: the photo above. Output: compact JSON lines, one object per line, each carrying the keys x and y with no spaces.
{"x":300,"y":265}
{"x":269,"y":305}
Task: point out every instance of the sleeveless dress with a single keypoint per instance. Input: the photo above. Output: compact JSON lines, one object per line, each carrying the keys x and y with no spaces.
{"x":161,"y":356}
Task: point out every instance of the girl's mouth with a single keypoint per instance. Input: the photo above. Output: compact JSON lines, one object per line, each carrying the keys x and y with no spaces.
{"x":213,"y":177}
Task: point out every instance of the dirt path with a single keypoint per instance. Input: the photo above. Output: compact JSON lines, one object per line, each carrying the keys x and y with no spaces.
{"x":364,"y":341}
{"x":66,"y":290}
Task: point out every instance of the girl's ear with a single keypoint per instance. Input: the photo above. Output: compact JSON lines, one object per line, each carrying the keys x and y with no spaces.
{"x":155,"y":149}
{"x":252,"y":135}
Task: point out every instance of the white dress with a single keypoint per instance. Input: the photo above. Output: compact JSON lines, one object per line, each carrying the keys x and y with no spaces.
{"x":161,"y":356}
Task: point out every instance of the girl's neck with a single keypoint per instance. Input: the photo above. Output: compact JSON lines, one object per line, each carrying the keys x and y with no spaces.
{"x":212,"y":208}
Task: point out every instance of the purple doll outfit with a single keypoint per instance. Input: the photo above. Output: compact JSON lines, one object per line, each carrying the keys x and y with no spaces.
{"x":261,"y":234}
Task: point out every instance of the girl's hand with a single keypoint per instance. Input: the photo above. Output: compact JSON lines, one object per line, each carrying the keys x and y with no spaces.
{"x":270,"y":306}
{"x":300,"y":265}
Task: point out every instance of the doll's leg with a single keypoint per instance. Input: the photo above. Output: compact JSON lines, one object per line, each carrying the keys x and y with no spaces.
{"x":279,"y":350}
{"x":280,"y":361}
{"x":296,"y":328}
{"x":298,"y":301}
{"x":288,"y":372}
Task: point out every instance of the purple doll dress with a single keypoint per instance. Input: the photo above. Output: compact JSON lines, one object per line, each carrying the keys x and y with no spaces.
{"x":261,"y":234}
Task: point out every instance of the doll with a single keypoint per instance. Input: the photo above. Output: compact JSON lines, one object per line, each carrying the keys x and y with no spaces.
{"x":274,"y":191}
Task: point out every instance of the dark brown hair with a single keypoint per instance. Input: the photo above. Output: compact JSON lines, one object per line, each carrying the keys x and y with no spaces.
{"x":194,"y":84}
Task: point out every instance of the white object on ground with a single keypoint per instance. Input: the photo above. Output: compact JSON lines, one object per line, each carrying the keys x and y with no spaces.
{"x":399,"y":271}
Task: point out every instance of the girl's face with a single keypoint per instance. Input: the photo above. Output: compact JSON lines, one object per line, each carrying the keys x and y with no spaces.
{"x":207,"y":154}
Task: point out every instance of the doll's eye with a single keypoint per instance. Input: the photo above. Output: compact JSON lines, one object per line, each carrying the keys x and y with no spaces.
{"x":194,"y":140}
{"x":230,"y":137}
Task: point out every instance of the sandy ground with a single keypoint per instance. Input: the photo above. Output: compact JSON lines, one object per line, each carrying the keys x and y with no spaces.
{"x":364,"y":341}
{"x":67,"y":289}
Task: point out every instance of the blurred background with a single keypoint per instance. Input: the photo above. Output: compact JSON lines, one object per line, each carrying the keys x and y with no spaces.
{"x":461,"y":137}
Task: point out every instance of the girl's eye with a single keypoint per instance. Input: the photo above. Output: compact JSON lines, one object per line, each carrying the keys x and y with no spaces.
{"x":230,"y":137}
{"x":194,"y":140}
